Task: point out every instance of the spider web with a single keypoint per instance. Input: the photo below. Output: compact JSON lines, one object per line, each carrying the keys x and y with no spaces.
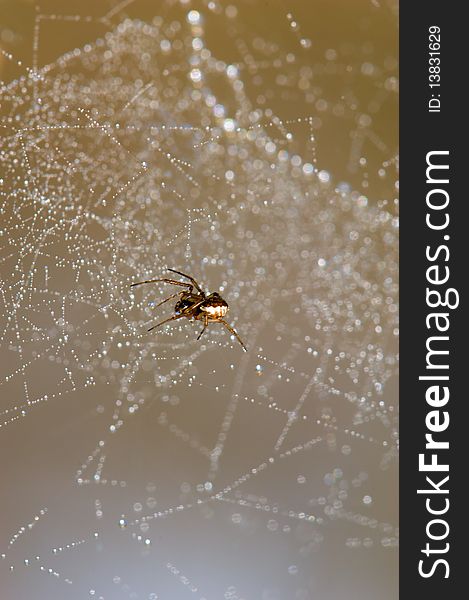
{"x":155,"y":465}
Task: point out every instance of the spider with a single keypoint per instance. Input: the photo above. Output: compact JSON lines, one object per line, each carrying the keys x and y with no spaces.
{"x":197,"y":305}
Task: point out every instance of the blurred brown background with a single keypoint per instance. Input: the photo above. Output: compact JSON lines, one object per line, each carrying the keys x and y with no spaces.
{"x":162,"y":467}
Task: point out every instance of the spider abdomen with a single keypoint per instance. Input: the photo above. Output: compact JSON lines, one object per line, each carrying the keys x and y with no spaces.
{"x":214,"y":306}
{"x":215,"y":311}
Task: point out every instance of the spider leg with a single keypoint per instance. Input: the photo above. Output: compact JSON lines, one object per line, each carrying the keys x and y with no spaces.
{"x":205,"y":327}
{"x":165,"y":280}
{"x":233,"y":332}
{"x":191,"y":279}
{"x":170,"y":298}
{"x":173,"y":318}
{"x":191,"y":308}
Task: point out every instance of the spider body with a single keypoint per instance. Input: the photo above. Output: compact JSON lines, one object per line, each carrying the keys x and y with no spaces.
{"x":214,"y":307}
{"x":208,"y":308}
